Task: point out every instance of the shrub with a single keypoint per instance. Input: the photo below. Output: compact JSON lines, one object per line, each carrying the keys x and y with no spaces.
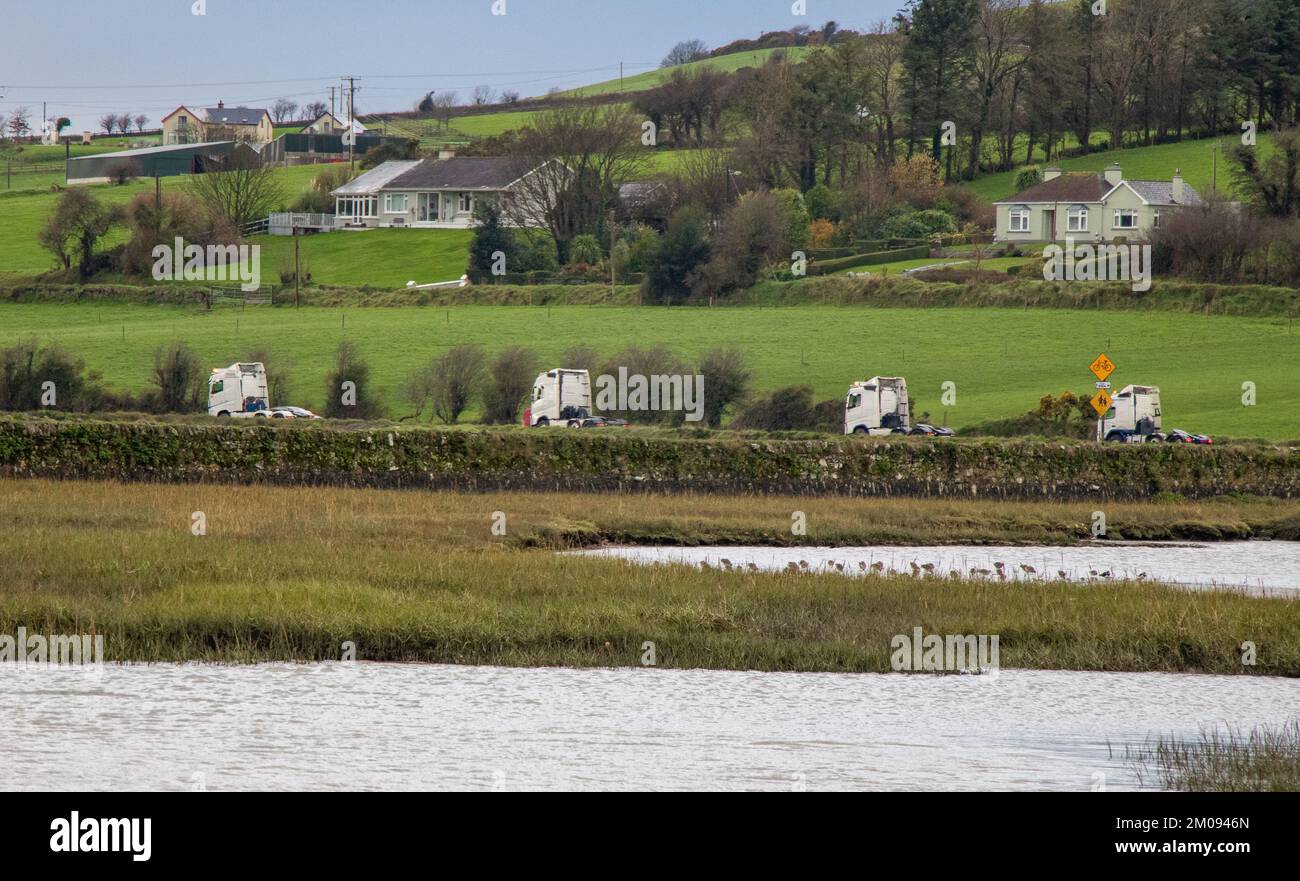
{"x":785,"y":409}
{"x":511,"y":379}
{"x":178,"y":379}
{"x":820,"y":202}
{"x":918,"y":224}
{"x":26,"y":367}
{"x":490,"y":239}
{"x":726,"y":382}
{"x":1028,"y":177}
{"x":684,"y":249}
{"x":355,"y":400}
{"x":585,"y":250}
{"x":455,"y":382}
{"x":656,"y":361}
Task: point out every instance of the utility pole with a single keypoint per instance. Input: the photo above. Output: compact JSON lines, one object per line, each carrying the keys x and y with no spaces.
{"x":352,"y":138}
{"x":613,"y":231}
{"x":333,"y":112}
{"x":620,"y":76}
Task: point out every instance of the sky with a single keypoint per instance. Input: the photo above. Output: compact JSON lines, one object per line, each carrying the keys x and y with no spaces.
{"x":86,"y":58}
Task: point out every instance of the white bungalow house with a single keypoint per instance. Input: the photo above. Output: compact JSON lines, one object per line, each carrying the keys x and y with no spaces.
{"x":429,"y":193}
{"x":1090,"y":207}
{"x":329,"y":124}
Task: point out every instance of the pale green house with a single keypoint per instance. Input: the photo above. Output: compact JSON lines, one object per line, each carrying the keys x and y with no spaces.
{"x":1090,"y":207}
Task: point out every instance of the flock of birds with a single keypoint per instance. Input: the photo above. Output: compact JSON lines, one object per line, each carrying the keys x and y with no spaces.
{"x":923,"y":570}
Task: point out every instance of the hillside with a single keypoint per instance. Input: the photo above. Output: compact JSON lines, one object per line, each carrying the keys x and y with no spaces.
{"x":1195,"y":158}
{"x":653,"y":78}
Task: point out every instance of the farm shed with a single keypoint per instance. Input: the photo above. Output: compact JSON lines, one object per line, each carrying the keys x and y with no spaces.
{"x":149,"y":162}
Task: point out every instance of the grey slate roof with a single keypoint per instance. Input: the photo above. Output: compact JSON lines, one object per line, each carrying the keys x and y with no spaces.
{"x":1161,"y":192}
{"x":460,"y":173}
{"x":233,"y":115}
{"x":374,"y":179}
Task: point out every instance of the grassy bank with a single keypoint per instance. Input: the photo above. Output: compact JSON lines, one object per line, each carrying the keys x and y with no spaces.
{"x":686,"y":461}
{"x":1003,"y":359}
{"x":294,"y":573}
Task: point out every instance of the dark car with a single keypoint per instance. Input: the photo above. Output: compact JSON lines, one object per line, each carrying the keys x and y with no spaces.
{"x":921,"y":429}
{"x":1178,"y":436}
{"x":602,"y":422}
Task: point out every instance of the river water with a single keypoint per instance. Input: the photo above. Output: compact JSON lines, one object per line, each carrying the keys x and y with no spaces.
{"x":1257,"y":567}
{"x":371,"y":726}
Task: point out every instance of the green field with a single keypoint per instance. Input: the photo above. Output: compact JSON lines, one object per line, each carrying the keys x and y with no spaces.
{"x":1196,"y":159}
{"x":652,"y":78}
{"x":1003,"y":360}
{"x":378,"y":257}
{"x":23,"y":214}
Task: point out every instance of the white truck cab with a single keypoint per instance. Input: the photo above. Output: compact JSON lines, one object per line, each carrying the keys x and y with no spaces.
{"x":1134,"y":417}
{"x":878,"y":406}
{"x":239,"y":391}
{"x":560,"y":397}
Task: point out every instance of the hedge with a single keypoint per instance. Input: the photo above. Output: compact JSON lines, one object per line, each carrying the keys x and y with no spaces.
{"x":605,"y":460}
{"x":825,"y":267}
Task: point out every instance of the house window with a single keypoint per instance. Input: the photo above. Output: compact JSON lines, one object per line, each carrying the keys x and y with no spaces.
{"x":1018,"y":220}
{"x":395,"y":203}
{"x":466,"y":203}
{"x":1077,"y":219}
{"x":1126,"y":218}
{"x":1155,"y":218}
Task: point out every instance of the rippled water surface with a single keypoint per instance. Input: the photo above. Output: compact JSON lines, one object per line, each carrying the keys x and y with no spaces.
{"x":1255,"y":566}
{"x":371,"y":726}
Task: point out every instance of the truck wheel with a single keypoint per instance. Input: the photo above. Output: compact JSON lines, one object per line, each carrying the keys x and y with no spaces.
{"x":224,"y":414}
{"x":543,"y":422}
{"x":861,"y":429}
{"x":1115,"y":437}
{"x":574,"y":423}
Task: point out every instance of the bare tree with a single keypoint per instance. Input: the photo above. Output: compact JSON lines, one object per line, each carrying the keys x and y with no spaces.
{"x":140,"y":122}
{"x":108,"y":122}
{"x":283,"y":109}
{"x":454,"y":381}
{"x":484,"y":94}
{"x":243,"y":191}
{"x":570,"y":164}
{"x":20,"y":121}
{"x":124,"y":123}
{"x":315,"y":110}
{"x":685,"y":52}
{"x":444,"y":106}
{"x":510,"y":96}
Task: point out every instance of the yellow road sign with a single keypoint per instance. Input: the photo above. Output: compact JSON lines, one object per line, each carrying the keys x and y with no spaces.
{"x":1102,"y":367}
{"x":1101,"y":402}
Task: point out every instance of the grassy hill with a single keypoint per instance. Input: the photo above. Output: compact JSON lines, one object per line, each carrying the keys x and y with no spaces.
{"x":1002,"y":360}
{"x":1195,"y":158}
{"x":650,"y":79}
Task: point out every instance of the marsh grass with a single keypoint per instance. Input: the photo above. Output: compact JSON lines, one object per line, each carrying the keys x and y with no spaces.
{"x":1264,"y":759}
{"x":293,"y":573}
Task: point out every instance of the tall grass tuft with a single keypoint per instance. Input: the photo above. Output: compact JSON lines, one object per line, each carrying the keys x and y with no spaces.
{"x":1265,"y":759}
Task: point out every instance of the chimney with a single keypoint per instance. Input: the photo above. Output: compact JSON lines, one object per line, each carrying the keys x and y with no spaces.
{"x":221,"y":105}
{"x":446,"y":154}
{"x":1178,"y":186}
{"x":1113,"y":174}
{"x":1051,"y":173}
